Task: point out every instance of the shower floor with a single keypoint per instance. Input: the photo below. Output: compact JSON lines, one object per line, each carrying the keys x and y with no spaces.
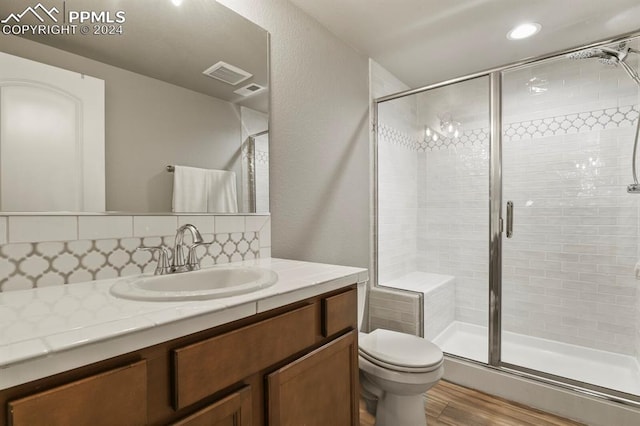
{"x":606,"y":369}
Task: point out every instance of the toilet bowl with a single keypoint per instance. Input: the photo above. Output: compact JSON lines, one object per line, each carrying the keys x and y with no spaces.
{"x":396,"y":369}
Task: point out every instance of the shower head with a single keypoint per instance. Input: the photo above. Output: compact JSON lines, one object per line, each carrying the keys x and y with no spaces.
{"x":609,"y":56}
{"x":604,"y":54}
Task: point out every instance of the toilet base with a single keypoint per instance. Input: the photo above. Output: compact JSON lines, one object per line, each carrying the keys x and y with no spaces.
{"x":401,"y":410}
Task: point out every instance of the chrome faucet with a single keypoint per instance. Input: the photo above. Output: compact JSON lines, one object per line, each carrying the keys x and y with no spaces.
{"x":178,"y":263}
{"x":163,"y":267}
{"x":191,"y":264}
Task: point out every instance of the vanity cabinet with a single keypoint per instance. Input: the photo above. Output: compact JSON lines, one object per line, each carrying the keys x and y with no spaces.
{"x":293,"y":365}
{"x":116,"y":396}
{"x":233,"y":410}
{"x":328,"y":375}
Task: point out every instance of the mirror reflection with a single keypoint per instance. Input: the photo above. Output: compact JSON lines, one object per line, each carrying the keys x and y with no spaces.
{"x":124,"y":117}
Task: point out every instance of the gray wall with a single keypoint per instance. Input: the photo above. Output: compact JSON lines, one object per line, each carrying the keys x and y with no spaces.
{"x":319,"y":159}
{"x":150,"y":124}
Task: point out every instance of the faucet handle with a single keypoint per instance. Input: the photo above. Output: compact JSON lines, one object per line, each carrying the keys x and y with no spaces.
{"x":163,"y":267}
{"x":192,"y":259}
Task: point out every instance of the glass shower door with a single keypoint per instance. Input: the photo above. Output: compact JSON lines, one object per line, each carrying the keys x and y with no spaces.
{"x":433,"y":215}
{"x":569,"y":293}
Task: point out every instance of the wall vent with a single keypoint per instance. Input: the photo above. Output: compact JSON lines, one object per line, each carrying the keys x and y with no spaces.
{"x":250,"y":89}
{"x":227,"y":73}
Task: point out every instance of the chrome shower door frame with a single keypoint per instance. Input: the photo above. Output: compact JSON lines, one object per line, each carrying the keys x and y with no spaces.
{"x":495,"y":218}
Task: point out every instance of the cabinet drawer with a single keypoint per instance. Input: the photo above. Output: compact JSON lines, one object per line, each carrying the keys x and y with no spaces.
{"x":234,"y":410}
{"x":206,"y":367}
{"x":339,"y":312}
{"x":116,"y":397}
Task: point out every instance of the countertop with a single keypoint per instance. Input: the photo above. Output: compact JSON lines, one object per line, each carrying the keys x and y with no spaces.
{"x":49,"y":330}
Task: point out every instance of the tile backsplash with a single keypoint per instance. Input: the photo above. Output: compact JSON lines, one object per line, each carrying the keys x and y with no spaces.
{"x":37,"y":251}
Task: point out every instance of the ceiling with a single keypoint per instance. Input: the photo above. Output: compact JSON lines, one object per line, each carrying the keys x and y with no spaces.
{"x":169,"y":43}
{"x":428,"y":41}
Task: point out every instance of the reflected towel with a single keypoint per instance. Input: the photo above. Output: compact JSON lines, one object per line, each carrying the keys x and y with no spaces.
{"x":198,"y":190}
{"x":221,"y":192}
{"x":189,"y":189}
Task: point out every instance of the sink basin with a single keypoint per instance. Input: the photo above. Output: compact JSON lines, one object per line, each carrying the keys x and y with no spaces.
{"x":210,"y":283}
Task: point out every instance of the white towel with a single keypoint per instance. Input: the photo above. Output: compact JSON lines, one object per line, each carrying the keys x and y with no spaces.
{"x":189,"y":189}
{"x":201,"y":190}
{"x":221,"y":192}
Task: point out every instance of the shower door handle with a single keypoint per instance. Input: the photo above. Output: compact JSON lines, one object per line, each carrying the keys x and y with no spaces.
{"x":509,"y":219}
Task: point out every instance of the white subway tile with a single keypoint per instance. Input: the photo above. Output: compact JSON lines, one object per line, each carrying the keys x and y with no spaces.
{"x":256,"y":223}
{"x":229,"y":224}
{"x":23,"y":229}
{"x":104,"y":227}
{"x":152,"y":226}
{"x":3,"y":230}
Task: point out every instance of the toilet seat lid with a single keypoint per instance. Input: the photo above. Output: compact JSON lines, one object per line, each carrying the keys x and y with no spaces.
{"x":400,"y":349}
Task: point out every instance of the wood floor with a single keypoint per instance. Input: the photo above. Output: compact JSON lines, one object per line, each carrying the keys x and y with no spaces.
{"x":453,"y":405}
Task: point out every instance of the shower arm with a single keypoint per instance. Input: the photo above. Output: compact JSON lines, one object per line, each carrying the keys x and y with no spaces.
{"x":633,"y":188}
{"x":632,"y":73}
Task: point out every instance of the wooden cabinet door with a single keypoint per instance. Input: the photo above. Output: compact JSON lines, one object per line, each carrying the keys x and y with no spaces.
{"x":116,"y":397}
{"x":319,"y":389}
{"x":234,"y":410}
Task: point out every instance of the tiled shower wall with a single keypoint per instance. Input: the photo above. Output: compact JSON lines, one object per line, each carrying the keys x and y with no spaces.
{"x":397,"y":185}
{"x":568,"y":271}
{"x":262,"y":174}
{"x":38,"y":251}
{"x":397,"y":227}
{"x":453,"y":223}
{"x":254,"y":122}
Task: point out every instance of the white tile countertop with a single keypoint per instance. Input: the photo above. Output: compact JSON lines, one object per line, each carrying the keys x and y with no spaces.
{"x":49,"y":330}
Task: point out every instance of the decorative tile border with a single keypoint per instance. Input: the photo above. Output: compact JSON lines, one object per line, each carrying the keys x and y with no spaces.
{"x":468,"y":138}
{"x":262,"y":157}
{"x":29,"y":265}
{"x":588,"y":121}
{"x":392,"y":136}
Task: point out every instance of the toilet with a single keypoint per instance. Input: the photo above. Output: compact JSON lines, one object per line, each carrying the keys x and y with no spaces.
{"x":396,"y":369}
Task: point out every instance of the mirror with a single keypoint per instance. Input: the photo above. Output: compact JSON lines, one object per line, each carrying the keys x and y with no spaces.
{"x":159,"y":108}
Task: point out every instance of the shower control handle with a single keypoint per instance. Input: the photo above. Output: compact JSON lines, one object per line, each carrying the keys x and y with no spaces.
{"x":509,"y":219}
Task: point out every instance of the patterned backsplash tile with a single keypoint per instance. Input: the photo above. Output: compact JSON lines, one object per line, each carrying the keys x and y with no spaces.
{"x":105,"y":246}
{"x":28,"y":265}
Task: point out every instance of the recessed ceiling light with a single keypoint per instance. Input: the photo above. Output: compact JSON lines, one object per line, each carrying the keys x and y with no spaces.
{"x":524,"y":30}
{"x":176,"y":2}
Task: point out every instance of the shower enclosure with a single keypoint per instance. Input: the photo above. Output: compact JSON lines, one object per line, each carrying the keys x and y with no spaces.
{"x":502,"y":198}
